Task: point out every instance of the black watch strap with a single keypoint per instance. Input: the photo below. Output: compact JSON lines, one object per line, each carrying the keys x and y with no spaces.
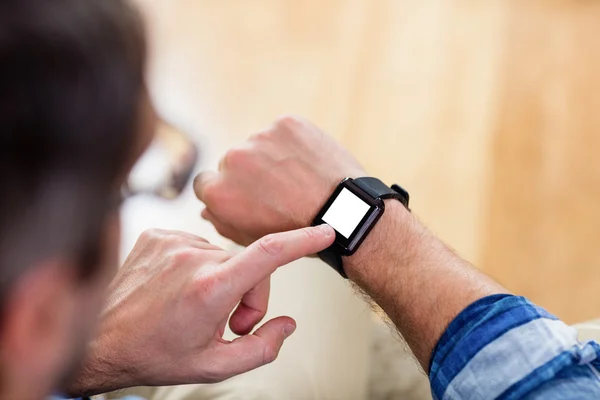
{"x":377,"y":189}
{"x":334,"y":259}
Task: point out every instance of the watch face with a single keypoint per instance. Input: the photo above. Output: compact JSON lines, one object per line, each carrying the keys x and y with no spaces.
{"x":352,"y":213}
{"x":346,"y":212}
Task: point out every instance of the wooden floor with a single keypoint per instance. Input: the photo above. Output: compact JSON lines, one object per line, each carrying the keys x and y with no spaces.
{"x":487,"y":111}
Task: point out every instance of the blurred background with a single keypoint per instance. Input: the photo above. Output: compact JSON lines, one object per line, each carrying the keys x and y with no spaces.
{"x":488,"y":112}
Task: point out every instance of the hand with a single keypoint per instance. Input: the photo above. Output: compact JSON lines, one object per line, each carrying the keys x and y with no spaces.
{"x":276,"y":181}
{"x":170,"y":302}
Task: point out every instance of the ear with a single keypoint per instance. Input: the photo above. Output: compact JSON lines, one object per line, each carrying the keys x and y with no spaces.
{"x":37,"y":319}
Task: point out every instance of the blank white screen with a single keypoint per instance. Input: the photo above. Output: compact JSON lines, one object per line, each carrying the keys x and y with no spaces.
{"x":346,"y":212}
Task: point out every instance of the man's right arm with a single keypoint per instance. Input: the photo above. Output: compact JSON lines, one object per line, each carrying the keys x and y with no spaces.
{"x":474,"y":339}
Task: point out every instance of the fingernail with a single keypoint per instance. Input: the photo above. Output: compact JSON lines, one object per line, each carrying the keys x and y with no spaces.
{"x":288,"y":330}
{"x":327,"y":230}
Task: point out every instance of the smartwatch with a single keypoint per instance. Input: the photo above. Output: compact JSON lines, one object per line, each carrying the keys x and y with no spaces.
{"x":352,"y":211}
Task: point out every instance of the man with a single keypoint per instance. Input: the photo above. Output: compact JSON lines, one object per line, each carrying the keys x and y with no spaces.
{"x":75,"y":116}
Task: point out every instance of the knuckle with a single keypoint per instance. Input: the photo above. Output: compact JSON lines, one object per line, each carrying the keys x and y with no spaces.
{"x":260,"y":136}
{"x":236,"y":157}
{"x":271,"y":245}
{"x":150,"y":235}
{"x":288,"y":121}
{"x":172,"y":264}
{"x":270,"y":354}
{"x":173,"y":240}
{"x":181,"y":256}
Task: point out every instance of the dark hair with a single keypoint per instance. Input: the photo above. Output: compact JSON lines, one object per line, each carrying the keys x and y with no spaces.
{"x":71,"y":80}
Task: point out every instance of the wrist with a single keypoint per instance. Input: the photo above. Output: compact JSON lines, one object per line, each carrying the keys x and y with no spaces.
{"x":103,"y":370}
{"x":376,"y":260}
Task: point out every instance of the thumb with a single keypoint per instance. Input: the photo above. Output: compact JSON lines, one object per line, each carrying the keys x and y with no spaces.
{"x":200,"y":182}
{"x":260,"y":348}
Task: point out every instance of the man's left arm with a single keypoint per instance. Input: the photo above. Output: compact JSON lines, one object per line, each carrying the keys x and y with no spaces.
{"x":478,"y":342}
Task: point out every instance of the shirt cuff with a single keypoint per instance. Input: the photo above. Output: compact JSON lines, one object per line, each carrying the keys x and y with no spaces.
{"x":489,"y":343}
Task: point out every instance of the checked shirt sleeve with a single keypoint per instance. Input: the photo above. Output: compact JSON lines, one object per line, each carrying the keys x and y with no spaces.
{"x":505,"y":347}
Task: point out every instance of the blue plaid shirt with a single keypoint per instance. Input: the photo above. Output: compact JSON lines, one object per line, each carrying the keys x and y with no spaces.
{"x":505,"y":347}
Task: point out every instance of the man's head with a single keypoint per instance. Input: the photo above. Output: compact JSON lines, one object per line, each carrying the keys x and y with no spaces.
{"x":74,"y":115}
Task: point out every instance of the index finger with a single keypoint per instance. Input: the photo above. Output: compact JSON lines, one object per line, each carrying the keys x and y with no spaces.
{"x":264,"y":256}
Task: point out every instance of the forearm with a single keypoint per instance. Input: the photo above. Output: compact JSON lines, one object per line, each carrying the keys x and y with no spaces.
{"x":417,"y":280}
